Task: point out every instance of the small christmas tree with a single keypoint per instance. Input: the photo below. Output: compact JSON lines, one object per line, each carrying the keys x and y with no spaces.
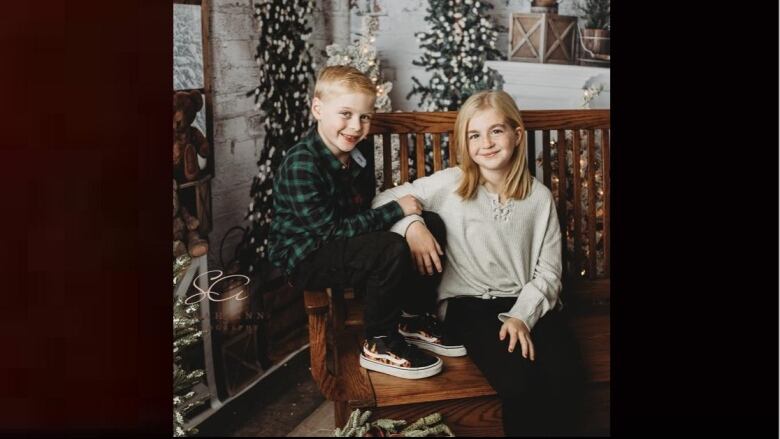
{"x":286,"y":71}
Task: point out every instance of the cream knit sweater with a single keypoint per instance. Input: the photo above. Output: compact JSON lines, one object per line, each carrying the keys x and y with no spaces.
{"x":492,"y":250}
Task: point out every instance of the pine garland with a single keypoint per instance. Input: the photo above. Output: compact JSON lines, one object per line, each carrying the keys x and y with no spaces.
{"x":358,"y":426}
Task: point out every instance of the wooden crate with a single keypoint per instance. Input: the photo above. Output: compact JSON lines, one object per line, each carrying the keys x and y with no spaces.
{"x":542,"y":38}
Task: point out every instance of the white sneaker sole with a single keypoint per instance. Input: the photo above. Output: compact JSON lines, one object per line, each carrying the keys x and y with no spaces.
{"x":447,"y":351}
{"x":413,"y":373}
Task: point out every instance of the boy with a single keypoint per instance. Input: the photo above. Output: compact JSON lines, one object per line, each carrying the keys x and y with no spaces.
{"x":324,"y":233}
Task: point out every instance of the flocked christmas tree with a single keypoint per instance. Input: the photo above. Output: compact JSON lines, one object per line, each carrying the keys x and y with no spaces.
{"x":455,"y":49}
{"x":286,"y":72}
{"x":186,"y":333}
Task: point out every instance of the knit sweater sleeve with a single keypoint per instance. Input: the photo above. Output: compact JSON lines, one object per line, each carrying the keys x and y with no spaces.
{"x":424,"y":189}
{"x":540,"y":294}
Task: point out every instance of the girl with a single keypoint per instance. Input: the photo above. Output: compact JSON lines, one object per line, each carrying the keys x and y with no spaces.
{"x":499,"y":293}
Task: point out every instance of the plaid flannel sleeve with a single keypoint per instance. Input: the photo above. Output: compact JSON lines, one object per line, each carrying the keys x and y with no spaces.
{"x":301,"y":186}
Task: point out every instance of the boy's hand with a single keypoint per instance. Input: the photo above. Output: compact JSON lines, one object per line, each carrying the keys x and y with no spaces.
{"x":518,"y":331}
{"x":424,"y":247}
{"x":410,"y":205}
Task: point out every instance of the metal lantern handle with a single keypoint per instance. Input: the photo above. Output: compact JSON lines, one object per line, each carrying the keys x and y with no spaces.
{"x":582,"y":43}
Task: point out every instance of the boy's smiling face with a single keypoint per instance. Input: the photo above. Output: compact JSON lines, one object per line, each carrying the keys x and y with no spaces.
{"x":343,"y":120}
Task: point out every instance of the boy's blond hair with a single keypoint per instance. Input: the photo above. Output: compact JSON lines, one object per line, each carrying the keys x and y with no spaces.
{"x":343,"y":78}
{"x":518,"y":181}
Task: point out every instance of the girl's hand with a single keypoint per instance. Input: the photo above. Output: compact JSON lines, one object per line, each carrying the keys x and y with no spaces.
{"x":517,"y":330}
{"x":424,"y":247}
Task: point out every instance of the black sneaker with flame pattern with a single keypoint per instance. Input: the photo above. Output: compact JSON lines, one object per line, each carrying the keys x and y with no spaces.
{"x":394,"y":356}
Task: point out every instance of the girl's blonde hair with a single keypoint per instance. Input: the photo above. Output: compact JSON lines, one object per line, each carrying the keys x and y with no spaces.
{"x":518,"y":181}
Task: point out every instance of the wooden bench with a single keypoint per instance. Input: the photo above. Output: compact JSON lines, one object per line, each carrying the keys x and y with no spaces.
{"x":469,"y":404}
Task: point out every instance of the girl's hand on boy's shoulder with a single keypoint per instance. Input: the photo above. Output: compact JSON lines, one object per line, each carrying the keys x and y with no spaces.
{"x":518,"y":331}
{"x":410,"y":205}
{"x":424,"y":248}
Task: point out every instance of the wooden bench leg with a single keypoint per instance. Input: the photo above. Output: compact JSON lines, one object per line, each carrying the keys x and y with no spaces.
{"x":317,"y":304}
{"x":342,"y":413}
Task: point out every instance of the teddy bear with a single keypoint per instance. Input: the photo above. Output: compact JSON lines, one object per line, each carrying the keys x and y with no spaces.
{"x":185,"y":230}
{"x":190,"y":147}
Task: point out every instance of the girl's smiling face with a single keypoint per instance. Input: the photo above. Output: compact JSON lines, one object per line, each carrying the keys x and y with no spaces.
{"x":491,"y":141}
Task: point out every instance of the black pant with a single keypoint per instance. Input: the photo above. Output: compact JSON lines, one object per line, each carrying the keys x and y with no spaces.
{"x":542,"y":397}
{"x":379,"y":264}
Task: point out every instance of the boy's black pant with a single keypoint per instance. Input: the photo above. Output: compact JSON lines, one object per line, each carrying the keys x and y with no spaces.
{"x":380,"y":264}
{"x":542,"y":397}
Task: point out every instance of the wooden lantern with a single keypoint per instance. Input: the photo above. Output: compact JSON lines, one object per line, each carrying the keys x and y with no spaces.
{"x":542,"y":38}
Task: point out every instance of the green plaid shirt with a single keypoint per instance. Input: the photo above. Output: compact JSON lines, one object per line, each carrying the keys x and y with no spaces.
{"x":316,"y":200}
